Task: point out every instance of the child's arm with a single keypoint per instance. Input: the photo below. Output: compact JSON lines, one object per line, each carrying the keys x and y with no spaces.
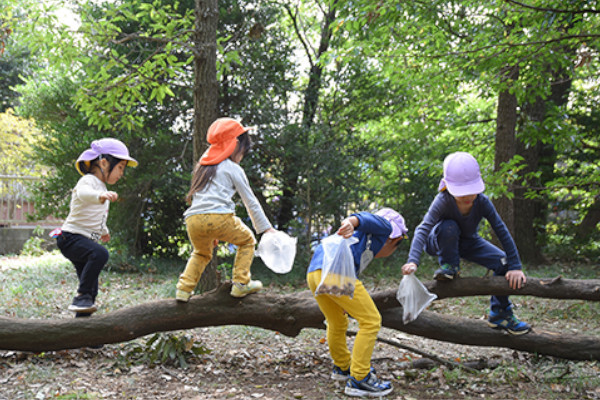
{"x":432,"y":217}
{"x":242,"y":186}
{"x":347,"y":227}
{"x":515,"y":276}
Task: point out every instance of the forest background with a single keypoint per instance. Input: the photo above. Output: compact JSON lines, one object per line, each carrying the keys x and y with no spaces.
{"x":356,"y":105}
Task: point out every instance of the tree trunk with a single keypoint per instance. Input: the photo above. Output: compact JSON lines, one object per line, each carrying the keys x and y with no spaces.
{"x":206,"y":87}
{"x":311,"y":103}
{"x":206,"y":96}
{"x":289,"y":314}
{"x":590,"y":221}
{"x":506,"y":123}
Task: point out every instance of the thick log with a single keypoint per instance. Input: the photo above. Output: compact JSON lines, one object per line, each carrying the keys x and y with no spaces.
{"x":287,"y":314}
{"x":551,"y":288}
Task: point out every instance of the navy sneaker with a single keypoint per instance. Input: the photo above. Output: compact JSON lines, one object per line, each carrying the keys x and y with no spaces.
{"x":370,"y":386}
{"x":339,"y":374}
{"x":83,"y":303}
{"x":446,"y":272}
{"x":507,"y":320}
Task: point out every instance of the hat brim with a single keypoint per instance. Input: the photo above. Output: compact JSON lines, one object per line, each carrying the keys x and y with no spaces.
{"x":218,"y":152}
{"x":470,"y":188}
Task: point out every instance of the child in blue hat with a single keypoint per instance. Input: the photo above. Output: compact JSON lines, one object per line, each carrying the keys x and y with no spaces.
{"x":378,"y":235}
{"x":449,"y":231}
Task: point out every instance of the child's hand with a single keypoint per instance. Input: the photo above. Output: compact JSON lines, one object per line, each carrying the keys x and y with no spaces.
{"x":347,"y":228}
{"x":516,"y":279}
{"x":409,"y":268}
{"x":105,"y":238}
{"x":110,"y":196}
{"x":270,"y":230}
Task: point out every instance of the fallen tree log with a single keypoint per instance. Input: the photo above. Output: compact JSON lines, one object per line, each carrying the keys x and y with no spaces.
{"x":287,"y":314}
{"x":552,"y":288}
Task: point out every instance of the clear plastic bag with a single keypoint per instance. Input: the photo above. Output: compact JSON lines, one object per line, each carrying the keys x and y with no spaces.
{"x":337,"y":272}
{"x":277,"y":250}
{"x":414,"y":297}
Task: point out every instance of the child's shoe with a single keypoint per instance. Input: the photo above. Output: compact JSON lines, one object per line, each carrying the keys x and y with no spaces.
{"x":507,"y":320}
{"x":446,"y":272}
{"x":241,"y":290}
{"x":182,"y":296}
{"x":83,"y":303}
{"x":370,"y":386}
{"x":339,"y":374}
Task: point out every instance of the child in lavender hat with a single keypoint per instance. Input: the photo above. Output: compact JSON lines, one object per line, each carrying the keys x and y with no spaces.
{"x":449,"y":231}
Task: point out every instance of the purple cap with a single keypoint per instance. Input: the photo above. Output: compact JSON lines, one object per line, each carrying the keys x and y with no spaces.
{"x":461,"y":175}
{"x":396,"y":220}
{"x":108,"y":146}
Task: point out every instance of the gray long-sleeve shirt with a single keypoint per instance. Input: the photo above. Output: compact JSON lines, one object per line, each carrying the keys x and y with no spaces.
{"x":216,"y":197}
{"x":444,"y":207}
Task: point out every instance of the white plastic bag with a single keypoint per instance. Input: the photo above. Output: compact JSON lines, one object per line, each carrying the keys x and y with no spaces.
{"x":277,"y":250}
{"x":337,"y":272}
{"x":414,"y":297}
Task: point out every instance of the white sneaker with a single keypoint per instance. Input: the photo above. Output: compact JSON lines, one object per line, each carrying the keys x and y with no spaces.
{"x":241,"y":290}
{"x":182,"y":296}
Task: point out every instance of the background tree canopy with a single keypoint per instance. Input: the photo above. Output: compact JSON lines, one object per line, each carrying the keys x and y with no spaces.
{"x":356,"y":102}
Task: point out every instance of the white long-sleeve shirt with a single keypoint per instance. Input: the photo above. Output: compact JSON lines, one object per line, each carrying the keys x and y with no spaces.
{"x":88,"y":215}
{"x":216,"y":197}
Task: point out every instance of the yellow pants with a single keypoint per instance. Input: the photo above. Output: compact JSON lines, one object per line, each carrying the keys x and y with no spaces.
{"x":203,"y":230}
{"x":362,"y":308}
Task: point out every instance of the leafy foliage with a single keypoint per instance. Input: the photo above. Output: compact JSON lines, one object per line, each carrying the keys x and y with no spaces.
{"x":163,"y":348}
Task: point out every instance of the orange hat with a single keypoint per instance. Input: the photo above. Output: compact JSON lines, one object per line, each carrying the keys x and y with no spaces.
{"x":222,"y":136}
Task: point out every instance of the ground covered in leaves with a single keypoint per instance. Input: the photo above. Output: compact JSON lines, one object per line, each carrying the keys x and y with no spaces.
{"x":238,"y":362}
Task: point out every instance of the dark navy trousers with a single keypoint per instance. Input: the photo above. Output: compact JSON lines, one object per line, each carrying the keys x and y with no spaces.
{"x":445,"y":242}
{"x":87,"y":256}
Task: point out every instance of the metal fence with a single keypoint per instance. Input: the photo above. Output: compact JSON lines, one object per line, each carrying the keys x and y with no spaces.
{"x":15,"y":201}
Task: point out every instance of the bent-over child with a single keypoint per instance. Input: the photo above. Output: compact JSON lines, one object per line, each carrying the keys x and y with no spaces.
{"x":379,"y":233}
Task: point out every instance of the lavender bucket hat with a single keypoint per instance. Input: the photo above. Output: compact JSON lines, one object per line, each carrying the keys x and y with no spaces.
{"x":108,"y":146}
{"x":396,"y":220}
{"x":461,"y":175}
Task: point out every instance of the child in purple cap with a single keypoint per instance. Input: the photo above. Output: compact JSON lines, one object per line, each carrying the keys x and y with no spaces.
{"x":449,"y":231}
{"x":378,"y":236}
{"x":103,"y":163}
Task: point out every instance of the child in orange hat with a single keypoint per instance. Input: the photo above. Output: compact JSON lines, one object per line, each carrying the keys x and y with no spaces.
{"x":211,"y":215}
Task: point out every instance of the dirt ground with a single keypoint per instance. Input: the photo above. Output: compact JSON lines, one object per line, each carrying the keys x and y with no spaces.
{"x":251,"y":363}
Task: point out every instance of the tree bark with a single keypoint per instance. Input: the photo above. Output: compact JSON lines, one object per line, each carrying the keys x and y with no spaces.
{"x":206,"y":96}
{"x":589,"y":222}
{"x":289,"y":314}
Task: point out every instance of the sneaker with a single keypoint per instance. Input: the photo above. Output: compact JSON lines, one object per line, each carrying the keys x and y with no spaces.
{"x":339,"y":374}
{"x":182,"y":296}
{"x":83,"y":303}
{"x":370,"y":386}
{"x":446,"y":272}
{"x":507,"y":320}
{"x":241,"y":290}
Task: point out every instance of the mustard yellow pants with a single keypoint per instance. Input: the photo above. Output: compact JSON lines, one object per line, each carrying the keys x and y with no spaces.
{"x":203,"y":230}
{"x":335,"y":309}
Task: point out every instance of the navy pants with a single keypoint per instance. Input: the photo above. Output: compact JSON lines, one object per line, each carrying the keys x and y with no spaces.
{"x":445,"y":242}
{"x":87,"y":256}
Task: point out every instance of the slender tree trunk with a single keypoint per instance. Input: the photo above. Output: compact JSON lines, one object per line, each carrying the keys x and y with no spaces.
{"x":506,"y":123}
{"x":206,"y":94}
{"x":590,"y":221}
{"x":311,"y":103}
